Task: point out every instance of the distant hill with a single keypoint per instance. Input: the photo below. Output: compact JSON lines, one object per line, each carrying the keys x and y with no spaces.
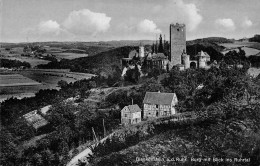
{"x":213,"y":40}
{"x":256,"y":38}
{"x":213,"y":49}
{"x":105,"y":62}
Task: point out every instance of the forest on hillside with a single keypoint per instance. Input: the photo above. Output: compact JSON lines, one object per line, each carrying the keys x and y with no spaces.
{"x":227,"y":90}
{"x":7,"y":63}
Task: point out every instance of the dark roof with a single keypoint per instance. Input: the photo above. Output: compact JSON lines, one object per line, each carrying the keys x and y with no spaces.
{"x":158,"y":98}
{"x":133,"y":108}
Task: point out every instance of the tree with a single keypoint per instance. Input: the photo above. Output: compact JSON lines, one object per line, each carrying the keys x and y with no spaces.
{"x":8,"y":150}
{"x":62,"y":84}
{"x":160,"y":48}
{"x":136,"y":73}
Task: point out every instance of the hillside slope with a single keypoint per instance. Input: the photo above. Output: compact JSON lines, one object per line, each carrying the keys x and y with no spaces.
{"x":181,"y":146}
{"x":214,"y":40}
{"x":105,"y":62}
{"x":213,"y":49}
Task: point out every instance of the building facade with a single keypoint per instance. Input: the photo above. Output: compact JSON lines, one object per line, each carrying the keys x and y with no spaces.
{"x":131,"y":114}
{"x":158,"y":104}
{"x":201,"y":60}
{"x":158,"y":61}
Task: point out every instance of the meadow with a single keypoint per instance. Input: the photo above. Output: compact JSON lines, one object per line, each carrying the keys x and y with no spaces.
{"x":68,"y":55}
{"x":33,"y":61}
{"x":254,"y":45}
{"x":25,"y":83}
{"x":249,"y":51}
{"x":16,"y":80}
{"x":51,"y":77}
{"x":16,"y":85}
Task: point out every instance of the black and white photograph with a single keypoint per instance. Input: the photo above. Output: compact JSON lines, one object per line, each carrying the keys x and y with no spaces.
{"x":130,"y":83}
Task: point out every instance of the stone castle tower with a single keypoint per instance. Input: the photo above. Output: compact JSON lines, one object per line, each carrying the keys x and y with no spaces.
{"x":177,"y":43}
{"x":141,"y":51}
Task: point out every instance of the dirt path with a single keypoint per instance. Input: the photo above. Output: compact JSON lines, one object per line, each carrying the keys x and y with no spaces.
{"x":85,"y":154}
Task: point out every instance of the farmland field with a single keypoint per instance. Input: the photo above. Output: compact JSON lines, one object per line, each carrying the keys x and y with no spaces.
{"x":50,"y":77}
{"x":25,"y":83}
{"x":248,"y":51}
{"x":254,"y":45}
{"x":33,"y":61}
{"x":16,"y":80}
{"x":18,"y":86}
{"x":250,"y":48}
{"x":68,"y":55}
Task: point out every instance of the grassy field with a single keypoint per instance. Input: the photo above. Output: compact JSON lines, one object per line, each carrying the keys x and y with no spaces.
{"x":249,"y":51}
{"x":241,"y":44}
{"x":50,"y":78}
{"x":16,"y":80}
{"x":16,"y":85}
{"x":25,"y":83}
{"x":253,"y":71}
{"x":68,"y":55}
{"x":33,"y":61}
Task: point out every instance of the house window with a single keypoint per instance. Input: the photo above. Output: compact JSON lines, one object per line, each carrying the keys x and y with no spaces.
{"x":157,"y":106}
{"x":125,"y":115}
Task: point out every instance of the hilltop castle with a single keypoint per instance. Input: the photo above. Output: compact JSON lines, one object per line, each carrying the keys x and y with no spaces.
{"x":168,"y":55}
{"x":178,"y":56}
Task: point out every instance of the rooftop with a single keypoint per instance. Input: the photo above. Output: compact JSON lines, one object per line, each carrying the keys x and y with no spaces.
{"x":34,"y":119}
{"x":133,"y":108}
{"x":159,"y":98}
{"x":157,"y":56}
{"x":203,"y":54}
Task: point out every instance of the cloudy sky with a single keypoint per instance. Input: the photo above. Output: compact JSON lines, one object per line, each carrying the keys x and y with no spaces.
{"x":97,"y":20}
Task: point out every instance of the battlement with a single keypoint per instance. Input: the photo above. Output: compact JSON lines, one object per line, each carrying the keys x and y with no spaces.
{"x":178,"y":25}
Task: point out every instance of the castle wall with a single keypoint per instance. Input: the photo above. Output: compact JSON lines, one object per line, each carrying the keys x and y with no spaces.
{"x":187,"y":62}
{"x":177,"y":43}
{"x":202,"y":64}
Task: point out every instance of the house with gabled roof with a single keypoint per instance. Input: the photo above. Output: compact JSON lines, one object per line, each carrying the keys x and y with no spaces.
{"x":157,"y":104}
{"x":158,"y":60}
{"x":35,"y":120}
{"x":131,"y":114}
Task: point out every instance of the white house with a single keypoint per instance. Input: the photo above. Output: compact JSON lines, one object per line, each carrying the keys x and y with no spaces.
{"x":131,"y":114}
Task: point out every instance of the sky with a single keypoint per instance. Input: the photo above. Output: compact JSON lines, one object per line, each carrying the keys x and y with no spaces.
{"x":105,"y":20}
